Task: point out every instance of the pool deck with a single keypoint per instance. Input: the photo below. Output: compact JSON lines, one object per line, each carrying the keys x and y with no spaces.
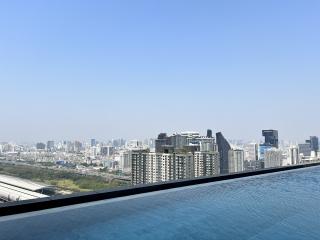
{"x":78,"y":198}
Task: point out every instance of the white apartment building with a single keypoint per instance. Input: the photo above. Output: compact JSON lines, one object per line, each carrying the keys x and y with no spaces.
{"x":236,"y":160}
{"x":206,"y":164}
{"x":155,"y":167}
{"x":124,"y":159}
{"x":293,"y":156}
{"x":273,"y":158}
{"x":251,"y":152}
{"x":183,"y":166}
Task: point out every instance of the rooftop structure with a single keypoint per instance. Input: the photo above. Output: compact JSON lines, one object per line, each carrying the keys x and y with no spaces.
{"x":24,"y":184}
{"x":12,"y":193}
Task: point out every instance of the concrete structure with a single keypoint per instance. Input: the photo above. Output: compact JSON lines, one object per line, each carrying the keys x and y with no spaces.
{"x":25,"y":184}
{"x":236,"y":160}
{"x":293,"y":156}
{"x":139,"y":166}
{"x":273,"y":158}
{"x":93,"y":142}
{"x":251,"y":152}
{"x":305,"y":149}
{"x":16,"y":189}
{"x":262,"y":150}
{"x":206,"y":164}
{"x":185,"y":141}
{"x":152,"y":167}
{"x":124,"y":159}
{"x":50,"y":146}
{"x":184,"y":166}
{"x":107,"y":150}
{"x":209,"y":133}
{"x":40,"y":146}
{"x":314,"y":144}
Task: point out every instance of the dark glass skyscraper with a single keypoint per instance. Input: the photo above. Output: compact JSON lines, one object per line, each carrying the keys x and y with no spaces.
{"x":271,"y":138}
{"x":209,"y":133}
{"x":314,"y":143}
{"x":161,"y":141}
{"x":223,"y":148}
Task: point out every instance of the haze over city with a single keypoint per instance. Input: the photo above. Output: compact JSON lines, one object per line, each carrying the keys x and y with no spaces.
{"x":134,"y":69}
{"x":171,"y":119}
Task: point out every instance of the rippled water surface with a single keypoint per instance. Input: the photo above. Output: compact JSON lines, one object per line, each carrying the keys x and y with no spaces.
{"x":275,"y":206}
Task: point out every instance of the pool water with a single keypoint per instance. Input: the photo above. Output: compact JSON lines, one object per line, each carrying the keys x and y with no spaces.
{"x":274,"y":206}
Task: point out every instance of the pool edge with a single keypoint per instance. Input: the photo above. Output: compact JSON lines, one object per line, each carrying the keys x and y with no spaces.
{"x":13,"y":208}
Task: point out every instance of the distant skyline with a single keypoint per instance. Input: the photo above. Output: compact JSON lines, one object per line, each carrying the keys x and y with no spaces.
{"x":132,"y":69}
{"x":258,"y":139}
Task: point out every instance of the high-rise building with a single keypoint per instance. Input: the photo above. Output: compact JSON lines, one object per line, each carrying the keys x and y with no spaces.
{"x":294,"y":155}
{"x":273,"y":158}
{"x":236,"y":160}
{"x":223,"y":148}
{"x":180,"y":156}
{"x":262,"y":150}
{"x":271,"y":138}
{"x":177,"y":141}
{"x":139,"y":160}
{"x":305,"y":149}
{"x":209,"y":133}
{"x":93,"y":142}
{"x":172,"y":166}
{"x":154,"y":167}
{"x":251,"y":152}
{"x":161,"y":141}
{"x":314,"y":144}
{"x":41,"y":146}
{"x":186,"y":141}
{"x":77,"y":146}
{"x":50,"y":146}
{"x":118,"y":157}
{"x":192,"y":138}
{"x":207,"y":144}
{"x":125,"y":161}
{"x":206,"y":164}
{"x":167,"y":163}
{"x":184,"y":166}
{"x":107,"y":150}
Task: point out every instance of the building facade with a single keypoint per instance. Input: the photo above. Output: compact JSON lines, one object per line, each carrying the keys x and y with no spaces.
{"x":271,"y":138}
{"x":223,"y":148}
{"x":273,"y":158}
{"x":152,"y":167}
{"x":236,"y":160}
{"x":294,"y":157}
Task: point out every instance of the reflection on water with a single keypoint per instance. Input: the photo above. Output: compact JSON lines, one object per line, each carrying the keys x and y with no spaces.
{"x":274,"y":206}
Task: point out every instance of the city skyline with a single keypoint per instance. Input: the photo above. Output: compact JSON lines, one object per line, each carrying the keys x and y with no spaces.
{"x":171,"y":119}
{"x":109,"y":141}
{"x":134,"y":69}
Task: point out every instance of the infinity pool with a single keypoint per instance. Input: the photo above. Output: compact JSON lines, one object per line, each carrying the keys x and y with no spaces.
{"x":275,"y":206}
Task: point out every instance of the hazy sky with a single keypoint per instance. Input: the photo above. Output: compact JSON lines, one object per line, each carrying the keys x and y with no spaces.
{"x":132,"y":69}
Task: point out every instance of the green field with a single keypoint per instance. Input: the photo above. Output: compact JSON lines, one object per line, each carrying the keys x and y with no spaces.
{"x":63,"y":180}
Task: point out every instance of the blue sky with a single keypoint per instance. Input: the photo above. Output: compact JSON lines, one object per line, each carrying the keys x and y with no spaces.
{"x":108,"y":69}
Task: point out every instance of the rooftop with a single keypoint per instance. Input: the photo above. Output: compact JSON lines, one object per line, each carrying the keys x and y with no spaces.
{"x":23,"y":183}
{"x":282,"y":205}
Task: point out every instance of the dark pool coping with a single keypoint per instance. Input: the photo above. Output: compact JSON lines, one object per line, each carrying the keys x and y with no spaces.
{"x":12,"y":208}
